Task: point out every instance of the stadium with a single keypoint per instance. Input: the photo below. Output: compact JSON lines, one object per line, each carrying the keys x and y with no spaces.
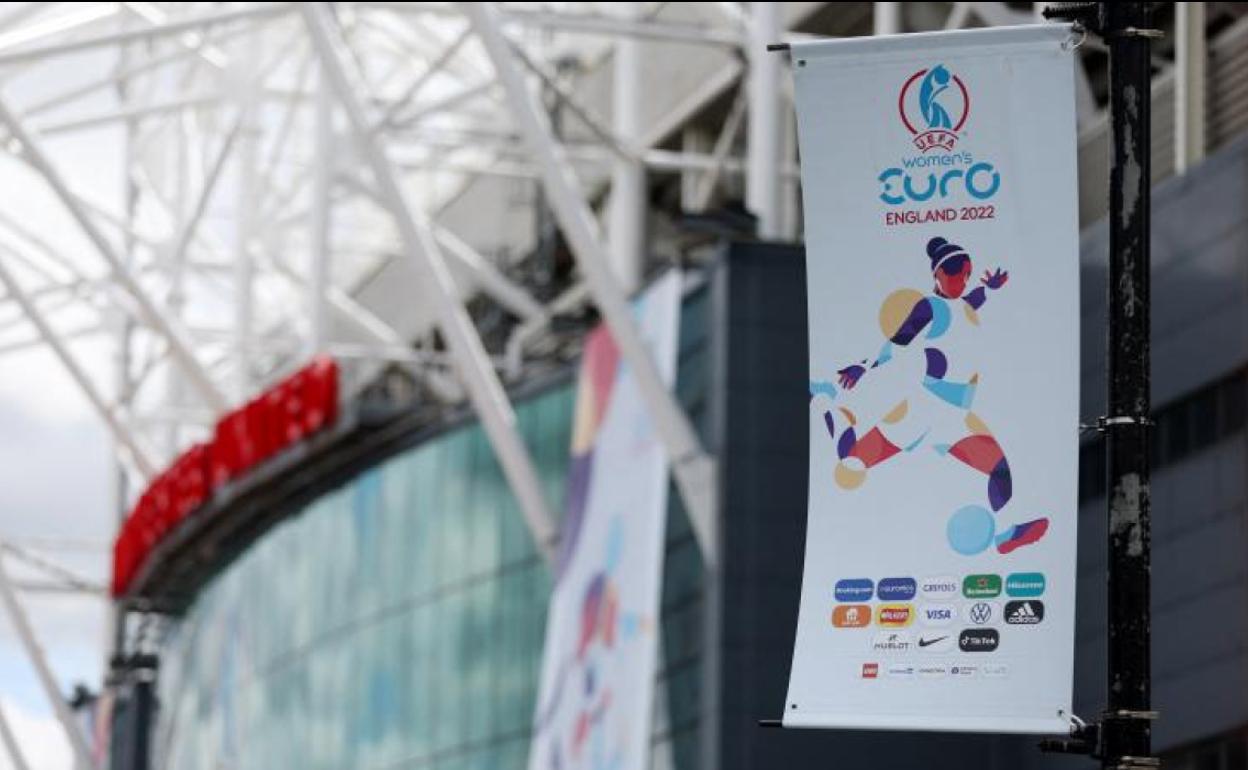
{"x":331,"y":301}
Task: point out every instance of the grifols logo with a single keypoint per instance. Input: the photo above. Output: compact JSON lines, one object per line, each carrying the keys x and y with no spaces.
{"x":934,"y":105}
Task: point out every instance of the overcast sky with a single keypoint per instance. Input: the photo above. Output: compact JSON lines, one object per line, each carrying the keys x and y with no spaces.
{"x":55,"y":484}
{"x":55,"y":466}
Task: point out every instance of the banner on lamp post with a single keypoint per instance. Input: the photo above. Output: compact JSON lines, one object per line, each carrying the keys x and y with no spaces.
{"x":600,"y":656}
{"x":940,"y":193}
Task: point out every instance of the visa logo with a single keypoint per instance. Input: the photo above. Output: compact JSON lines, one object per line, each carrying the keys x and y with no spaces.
{"x":937,"y":614}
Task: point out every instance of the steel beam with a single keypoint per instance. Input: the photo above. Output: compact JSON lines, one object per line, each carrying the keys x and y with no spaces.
{"x":151,"y":315}
{"x":16,"y":757}
{"x":886,"y":19}
{"x":1190,"y":57}
{"x":593,"y":24}
{"x":176,"y":105}
{"x":511,"y":295}
{"x":719,"y":153}
{"x":484,"y":389}
{"x":50,"y":568}
{"x":245,"y":216}
{"x":409,"y":94}
{"x":87,"y":13}
{"x":321,"y":225}
{"x":762,"y":181}
{"x":26,"y":634}
{"x":693,"y":468}
{"x":44,"y":53}
{"x":121,"y":434}
{"x":189,"y":227}
{"x":626,"y":229}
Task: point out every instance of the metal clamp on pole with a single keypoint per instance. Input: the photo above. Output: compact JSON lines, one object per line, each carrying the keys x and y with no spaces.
{"x":1154,"y":34}
{"x":1083,"y":740}
{"x":1104,"y":423}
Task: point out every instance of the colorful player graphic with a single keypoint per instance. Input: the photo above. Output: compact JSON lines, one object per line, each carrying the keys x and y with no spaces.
{"x":591,"y":740}
{"x":909,"y":320}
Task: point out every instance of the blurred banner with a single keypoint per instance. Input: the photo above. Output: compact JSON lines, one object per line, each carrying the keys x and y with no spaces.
{"x":598,"y":667}
{"x":938,"y":175}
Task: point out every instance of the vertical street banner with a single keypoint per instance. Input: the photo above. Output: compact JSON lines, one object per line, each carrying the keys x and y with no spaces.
{"x":600,"y":657}
{"x":939,"y":184}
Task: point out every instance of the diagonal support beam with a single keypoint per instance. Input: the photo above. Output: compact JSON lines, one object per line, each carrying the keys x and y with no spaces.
{"x":473,"y":365}
{"x":693,"y":468}
{"x":151,"y":315}
{"x":21,"y":623}
{"x":16,"y":757}
{"x":120,"y":433}
{"x":504,"y":291}
{"x":187,"y":231}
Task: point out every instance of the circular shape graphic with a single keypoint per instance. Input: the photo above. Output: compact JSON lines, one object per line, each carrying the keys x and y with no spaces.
{"x":970,"y":530}
{"x":850,"y":473}
{"x":896,"y":309}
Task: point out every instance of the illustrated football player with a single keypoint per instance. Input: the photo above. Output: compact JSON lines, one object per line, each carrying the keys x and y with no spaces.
{"x":911,"y":320}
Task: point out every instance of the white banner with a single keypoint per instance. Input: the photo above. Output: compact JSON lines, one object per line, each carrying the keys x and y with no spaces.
{"x":599,"y":662}
{"x":939,"y":182}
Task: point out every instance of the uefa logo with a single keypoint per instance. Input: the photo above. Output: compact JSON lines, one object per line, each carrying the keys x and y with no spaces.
{"x":934,"y":105}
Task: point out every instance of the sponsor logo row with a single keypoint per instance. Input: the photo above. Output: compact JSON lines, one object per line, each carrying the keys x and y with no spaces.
{"x":1020,"y":585}
{"x":932,"y":670}
{"x":967,"y":640}
{"x":1019,"y":612}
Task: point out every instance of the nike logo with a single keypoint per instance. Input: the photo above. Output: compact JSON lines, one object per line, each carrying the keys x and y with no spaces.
{"x":929,"y":642}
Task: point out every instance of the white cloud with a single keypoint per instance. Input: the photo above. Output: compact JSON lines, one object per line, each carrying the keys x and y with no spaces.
{"x":40,"y":737}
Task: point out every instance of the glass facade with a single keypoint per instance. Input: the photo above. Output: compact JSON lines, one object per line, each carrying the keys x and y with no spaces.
{"x":398,"y":620}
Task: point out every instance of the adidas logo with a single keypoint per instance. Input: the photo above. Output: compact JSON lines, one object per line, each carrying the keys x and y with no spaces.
{"x":1024,"y":613}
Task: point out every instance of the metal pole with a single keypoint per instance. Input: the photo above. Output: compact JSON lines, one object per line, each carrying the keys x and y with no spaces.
{"x":125,"y":333}
{"x":886,"y":19}
{"x":762,"y":181}
{"x":1126,"y":728}
{"x":627,"y":229}
{"x":1189,"y":85}
{"x":82,"y":753}
{"x":1122,"y":738}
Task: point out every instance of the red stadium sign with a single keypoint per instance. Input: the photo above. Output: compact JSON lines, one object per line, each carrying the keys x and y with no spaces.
{"x":290,"y":411}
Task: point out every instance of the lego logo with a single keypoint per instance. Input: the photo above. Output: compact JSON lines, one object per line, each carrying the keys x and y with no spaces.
{"x":870,"y":670}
